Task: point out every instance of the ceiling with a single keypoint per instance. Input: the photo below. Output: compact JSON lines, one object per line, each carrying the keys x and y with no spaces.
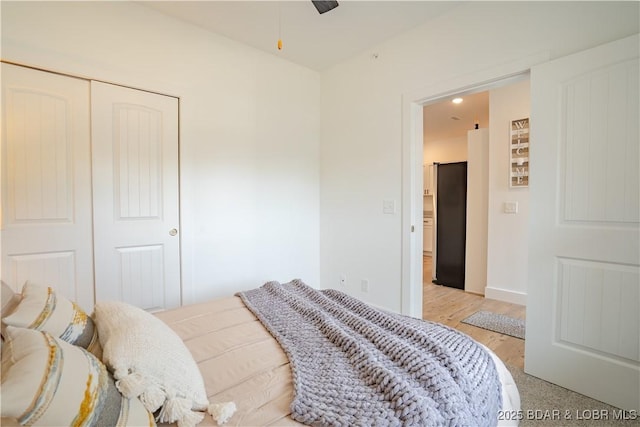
{"x":319,"y":41}
{"x":446,"y":120}
{"x":313,"y":40}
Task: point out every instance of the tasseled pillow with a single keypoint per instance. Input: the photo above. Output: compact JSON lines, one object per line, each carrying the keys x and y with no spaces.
{"x":151,"y":362}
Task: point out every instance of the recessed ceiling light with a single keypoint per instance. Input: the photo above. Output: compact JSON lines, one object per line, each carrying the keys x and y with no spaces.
{"x":456,"y":100}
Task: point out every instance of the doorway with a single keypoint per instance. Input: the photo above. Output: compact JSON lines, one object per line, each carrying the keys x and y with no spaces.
{"x":413,"y":165}
{"x":446,"y":125}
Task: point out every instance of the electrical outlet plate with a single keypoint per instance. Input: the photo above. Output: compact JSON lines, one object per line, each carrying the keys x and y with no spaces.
{"x":343,"y":280}
{"x":364,"y":285}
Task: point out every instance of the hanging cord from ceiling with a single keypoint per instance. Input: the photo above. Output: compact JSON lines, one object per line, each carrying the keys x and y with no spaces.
{"x":279,"y":26}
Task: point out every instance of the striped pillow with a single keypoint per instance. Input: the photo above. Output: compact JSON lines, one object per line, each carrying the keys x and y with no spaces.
{"x":48,"y":382}
{"x":41,"y":308}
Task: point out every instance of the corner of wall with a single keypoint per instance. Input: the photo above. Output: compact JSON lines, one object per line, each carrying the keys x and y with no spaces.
{"x":506,"y":295}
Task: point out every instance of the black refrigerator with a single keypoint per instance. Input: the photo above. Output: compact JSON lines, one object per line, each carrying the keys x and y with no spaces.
{"x":450,"y":224}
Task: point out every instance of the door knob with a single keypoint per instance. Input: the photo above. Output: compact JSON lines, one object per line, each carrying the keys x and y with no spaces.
{"x":173,"y":232}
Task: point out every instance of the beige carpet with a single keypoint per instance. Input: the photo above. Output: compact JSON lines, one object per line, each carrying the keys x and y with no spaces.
{"x":546,"y":404}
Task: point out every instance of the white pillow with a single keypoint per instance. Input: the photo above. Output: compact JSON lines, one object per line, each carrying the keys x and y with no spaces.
{"x":49,"y":382}
{"x":149,"y":360}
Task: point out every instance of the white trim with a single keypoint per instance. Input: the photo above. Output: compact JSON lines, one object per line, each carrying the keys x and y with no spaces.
{"x":412,"y":206}
{"x":412,"y":139}
{"x":505,"y":295}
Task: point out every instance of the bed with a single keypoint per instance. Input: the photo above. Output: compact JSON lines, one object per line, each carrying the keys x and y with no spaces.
{"x":242,"y":361}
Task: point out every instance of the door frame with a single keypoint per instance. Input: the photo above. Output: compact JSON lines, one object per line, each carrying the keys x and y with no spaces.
{"x":412,"y":158}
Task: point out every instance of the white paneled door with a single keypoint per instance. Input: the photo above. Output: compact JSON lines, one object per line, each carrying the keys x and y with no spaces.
{"x":135,"y":183}
{"x":46,"y":182}
{"x":583,"y":304}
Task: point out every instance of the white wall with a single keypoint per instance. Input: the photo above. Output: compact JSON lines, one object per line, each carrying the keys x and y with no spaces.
{"x":508,"y":242}
{"x":251,"y":155}
{"x":362,"y":123}
{"x":477,"y":211}
{"x":249,"y":132}
{"x":445,"y":150}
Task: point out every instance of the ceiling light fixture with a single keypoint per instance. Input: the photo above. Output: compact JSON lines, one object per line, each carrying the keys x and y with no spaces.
{"x":456,"y":100}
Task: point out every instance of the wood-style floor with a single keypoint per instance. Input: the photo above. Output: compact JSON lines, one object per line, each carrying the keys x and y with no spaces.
{"x":450,"y":306}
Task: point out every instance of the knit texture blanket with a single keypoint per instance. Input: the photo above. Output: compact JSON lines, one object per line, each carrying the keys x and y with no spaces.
{"x":354,"y":365}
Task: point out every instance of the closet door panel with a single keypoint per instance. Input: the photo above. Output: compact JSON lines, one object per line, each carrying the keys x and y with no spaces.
{"x":135,"y":188}
{"x":46,"y":182}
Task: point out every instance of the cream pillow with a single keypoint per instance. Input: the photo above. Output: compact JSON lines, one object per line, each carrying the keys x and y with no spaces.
{"x":149,"y":360}
{"x":41,"y":308}
{"x":9,"y":299}
{"x":49,"y":382}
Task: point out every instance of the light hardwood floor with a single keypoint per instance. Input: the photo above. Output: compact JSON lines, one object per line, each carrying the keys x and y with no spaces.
{"x":450,"y":306}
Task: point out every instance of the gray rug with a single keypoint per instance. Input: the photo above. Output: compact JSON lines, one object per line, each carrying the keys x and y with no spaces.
{"x":545,"y":404}
{"x":497,"y":323}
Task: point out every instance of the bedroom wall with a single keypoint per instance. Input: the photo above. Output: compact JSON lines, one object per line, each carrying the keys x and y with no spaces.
{"x":507,"y":245}
{"x":249,"y":132}
{"x":362,"y":127}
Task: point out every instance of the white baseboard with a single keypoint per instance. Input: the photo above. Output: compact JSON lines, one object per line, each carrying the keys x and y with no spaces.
{"x":505,"y":295}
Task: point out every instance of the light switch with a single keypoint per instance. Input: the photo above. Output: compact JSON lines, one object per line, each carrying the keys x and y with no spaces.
{"x":511,"y":207}
{"x":389,"y":206}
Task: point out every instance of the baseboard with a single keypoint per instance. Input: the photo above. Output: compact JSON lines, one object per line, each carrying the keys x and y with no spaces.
{"x":474,"y":293}
{"x":505,"y":295}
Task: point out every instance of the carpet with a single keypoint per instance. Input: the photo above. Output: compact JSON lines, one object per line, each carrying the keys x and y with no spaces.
{"x":545,"y":404}
{"x":497,"y":323}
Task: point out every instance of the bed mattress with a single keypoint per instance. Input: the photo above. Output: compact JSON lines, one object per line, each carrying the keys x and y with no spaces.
{"x":241,"y":362}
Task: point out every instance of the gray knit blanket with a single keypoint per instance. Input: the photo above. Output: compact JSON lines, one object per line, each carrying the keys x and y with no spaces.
{"x":354,"y":365}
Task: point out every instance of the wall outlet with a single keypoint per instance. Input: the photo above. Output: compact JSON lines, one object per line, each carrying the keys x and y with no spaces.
{"x":364,"y":285}
{"x":343,"y":280}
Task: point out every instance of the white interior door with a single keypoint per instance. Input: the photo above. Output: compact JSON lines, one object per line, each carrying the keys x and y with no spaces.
{"x":583,"y":304}
{"x":46,"y":182}
{"x":135,"y":191}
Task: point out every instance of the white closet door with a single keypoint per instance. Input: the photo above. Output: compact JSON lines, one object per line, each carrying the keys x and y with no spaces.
{"x":46,"y":182}
{"x":135,"y":193}
{"x":583,"y":304}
